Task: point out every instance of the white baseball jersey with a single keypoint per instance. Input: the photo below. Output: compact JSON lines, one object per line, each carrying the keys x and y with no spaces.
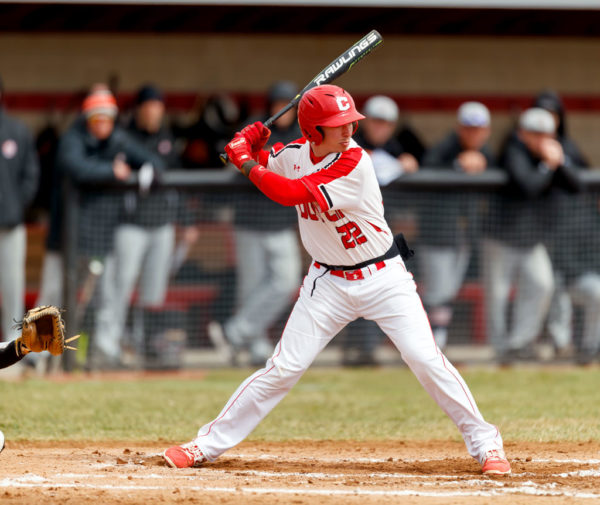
{"x":346,"y":226}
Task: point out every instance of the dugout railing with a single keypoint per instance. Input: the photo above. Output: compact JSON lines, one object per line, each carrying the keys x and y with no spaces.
{"x":439,"y":208}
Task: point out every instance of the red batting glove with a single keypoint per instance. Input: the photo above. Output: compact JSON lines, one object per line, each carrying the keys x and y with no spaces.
{"x":257,"y":135}
{"x":238,"y":152}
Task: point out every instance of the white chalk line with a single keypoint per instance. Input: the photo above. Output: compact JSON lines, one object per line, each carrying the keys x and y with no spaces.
{"x":525,"y":489}
{"x":205,"y":474}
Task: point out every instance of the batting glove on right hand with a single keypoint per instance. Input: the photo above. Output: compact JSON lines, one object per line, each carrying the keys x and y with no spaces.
{"x":257,"y":135}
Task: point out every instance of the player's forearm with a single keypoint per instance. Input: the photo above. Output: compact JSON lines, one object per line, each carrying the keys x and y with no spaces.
{"x":288,"y":192}
{"x":9,"y":355}
{"x":262,"y":157}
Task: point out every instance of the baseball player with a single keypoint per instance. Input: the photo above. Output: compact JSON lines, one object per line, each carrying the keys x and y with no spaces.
{"x":357,"y":271}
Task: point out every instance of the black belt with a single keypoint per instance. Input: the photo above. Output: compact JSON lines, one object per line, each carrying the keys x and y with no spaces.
{"x":399,"y":247}
{"x":391,"y":253}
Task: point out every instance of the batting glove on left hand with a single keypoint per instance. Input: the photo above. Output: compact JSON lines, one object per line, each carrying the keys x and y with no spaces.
{"x":257,"y":135}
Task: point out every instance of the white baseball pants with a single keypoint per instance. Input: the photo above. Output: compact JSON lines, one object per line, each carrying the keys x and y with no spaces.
{"x":387,"y":296}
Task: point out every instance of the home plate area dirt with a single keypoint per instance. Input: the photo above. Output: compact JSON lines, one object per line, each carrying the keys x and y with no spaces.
{"x":300,"y":472}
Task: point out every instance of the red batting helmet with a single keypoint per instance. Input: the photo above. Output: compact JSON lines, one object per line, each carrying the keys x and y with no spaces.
{"x":325,"y":105}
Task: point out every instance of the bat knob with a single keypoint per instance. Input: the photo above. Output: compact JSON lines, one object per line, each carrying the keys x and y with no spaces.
{"x":224,"y":158}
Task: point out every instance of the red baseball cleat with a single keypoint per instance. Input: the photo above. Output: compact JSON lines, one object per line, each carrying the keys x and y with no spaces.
{"x":184,"y":456}
{"x":495,"y":463}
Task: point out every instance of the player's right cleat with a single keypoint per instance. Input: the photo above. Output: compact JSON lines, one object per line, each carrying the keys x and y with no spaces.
{"x":184,"y":456}
{"x":495,"y":463}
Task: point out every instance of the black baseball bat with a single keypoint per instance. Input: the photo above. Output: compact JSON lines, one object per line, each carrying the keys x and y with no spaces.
{"x":335,"y":69}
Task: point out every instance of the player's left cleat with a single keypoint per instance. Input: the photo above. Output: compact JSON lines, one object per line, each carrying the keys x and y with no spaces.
{"x":495,"y":463}
{"x":1,"y":441}
{"x":184,"y":456}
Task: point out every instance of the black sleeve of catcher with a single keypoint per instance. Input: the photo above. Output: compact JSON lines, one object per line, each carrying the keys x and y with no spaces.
{"x":8,"y":355}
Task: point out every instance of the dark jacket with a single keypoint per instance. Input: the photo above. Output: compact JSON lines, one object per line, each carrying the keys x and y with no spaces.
{"x":254,"y":211}
{"x":575,"y":245}
{"x":159,"y":206}
{"x":529,"y":210}
{"x":456,"y":220}
{"x":87,"y":161}
{"x":19,"y":170}
{"x":392,"y":146}
{"x":551,"y":102}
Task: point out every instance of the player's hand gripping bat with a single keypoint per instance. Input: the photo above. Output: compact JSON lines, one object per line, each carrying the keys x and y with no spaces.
{"x":335,"y":69}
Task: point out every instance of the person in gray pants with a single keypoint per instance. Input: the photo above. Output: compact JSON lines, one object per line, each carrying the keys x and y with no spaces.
{"x":95,"y":150}
{"x":145,"y":237}
{"x":521,"y":222}
{"x":19,"y":175}
{"x":268,"y":255}
{"x":575,"y":256}
{"x":447,"y":235}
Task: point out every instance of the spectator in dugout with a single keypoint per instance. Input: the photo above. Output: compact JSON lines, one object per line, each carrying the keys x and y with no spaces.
{"x":377,"y":135}
{"x":559,"y":323}
{"x":267,"y":250}
{"x":447,"y":236}
{"x":575,"y":257}
{"x":145,"y":236}
{"x":92,"y":152}
{"x":19,"y":175}
{"x":515,"y":246}
{"x":205,"y":139}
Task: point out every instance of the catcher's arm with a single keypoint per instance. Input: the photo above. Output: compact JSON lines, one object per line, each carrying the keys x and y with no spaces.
{"x":9,"y":354}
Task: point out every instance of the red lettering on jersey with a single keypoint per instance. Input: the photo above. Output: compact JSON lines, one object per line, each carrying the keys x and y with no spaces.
{"x":334,"y":215}
{"x":351,"y":235}
{"x":308,"y":211}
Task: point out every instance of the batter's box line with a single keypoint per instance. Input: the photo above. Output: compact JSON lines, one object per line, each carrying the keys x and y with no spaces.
{"x":528,"y":488}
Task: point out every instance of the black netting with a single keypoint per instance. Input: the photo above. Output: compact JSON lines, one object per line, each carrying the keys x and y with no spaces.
{"x":478,"y":251}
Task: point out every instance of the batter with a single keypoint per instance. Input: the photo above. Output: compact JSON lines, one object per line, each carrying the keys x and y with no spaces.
{"x":357,"y":271}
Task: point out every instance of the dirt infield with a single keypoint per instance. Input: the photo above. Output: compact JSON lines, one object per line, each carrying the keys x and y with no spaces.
{"x":298,"y":473}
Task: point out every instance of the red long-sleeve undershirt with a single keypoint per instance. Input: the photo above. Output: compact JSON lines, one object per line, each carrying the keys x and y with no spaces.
{"x":288,"y":192}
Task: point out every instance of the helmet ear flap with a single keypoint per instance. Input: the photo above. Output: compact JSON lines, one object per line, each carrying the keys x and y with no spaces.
{"x":315,"y":136}
{"x":321,"y":135}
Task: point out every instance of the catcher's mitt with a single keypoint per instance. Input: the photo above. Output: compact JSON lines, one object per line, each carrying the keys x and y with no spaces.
{"x":43,"y":329}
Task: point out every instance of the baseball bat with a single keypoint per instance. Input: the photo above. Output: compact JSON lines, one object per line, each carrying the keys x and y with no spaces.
{"x":335,"y":69}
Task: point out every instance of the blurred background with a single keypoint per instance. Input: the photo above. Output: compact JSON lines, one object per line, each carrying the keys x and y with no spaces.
{"x":113,"y":115}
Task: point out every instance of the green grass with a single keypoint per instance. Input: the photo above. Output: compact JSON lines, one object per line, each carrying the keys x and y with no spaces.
{"x":527,"y":404}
